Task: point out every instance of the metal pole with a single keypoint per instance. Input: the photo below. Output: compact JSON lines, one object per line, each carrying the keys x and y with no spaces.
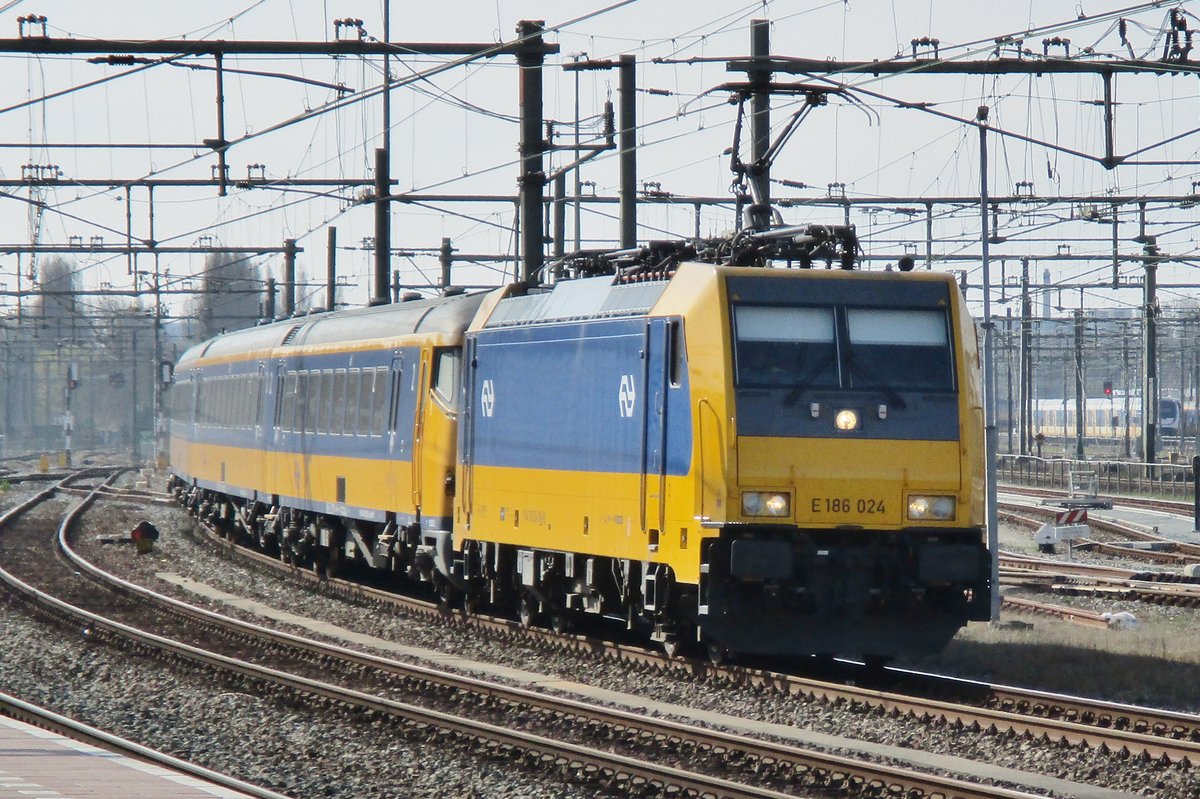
{"x":1079,"y":384}
{"x":133,"y":396}
{"x":289,"y":277}
{"x":929,"y":235}
{"x":331,"y":269}
{"x":269,"y":311}
{"x":160,"y":422}
{"x":383,"y":229}
{"x":1196,"y":493}
{"x":222,"y":167}
{"x":628,"y":141}
{"x":577,"y":177}
{"x":989,"y":374}
{"x":1150,"y":353}
{"x":760,"y":120}
{"x":69,"y":421}
{"x":387,"y":82}
{"x":446,"y":259}
{"x":1008,"y":363}
{"x":1125,"y":384}
{"x":530,"y":58}
{"x":560,"y":214}
{"x":1026,"y":412}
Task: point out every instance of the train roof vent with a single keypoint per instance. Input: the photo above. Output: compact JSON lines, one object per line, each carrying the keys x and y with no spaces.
{"x":632,"y":298}
{"x":588,"y":298}
{"x":291,"y":334}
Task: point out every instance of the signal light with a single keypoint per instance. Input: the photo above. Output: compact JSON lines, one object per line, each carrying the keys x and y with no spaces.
{"x":1108,"y":391}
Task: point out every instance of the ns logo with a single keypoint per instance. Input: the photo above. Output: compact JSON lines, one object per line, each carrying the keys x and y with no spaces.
{"x":627,"y":396}
{"x":487,"y":398}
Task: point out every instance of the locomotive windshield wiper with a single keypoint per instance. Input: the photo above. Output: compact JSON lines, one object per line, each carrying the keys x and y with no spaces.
{"x":802,"y":386}
{"x":890,"y":393}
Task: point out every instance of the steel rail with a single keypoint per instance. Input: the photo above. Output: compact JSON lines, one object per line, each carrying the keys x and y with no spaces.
{"x":1120,"y":528}
{"x":40,"y":717}
{"x":603,"y":765}
{"x":1074,"y":720}
{"x":762,"y":751}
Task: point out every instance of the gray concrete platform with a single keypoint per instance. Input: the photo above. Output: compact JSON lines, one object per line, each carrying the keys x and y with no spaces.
{"x":36,"y":764}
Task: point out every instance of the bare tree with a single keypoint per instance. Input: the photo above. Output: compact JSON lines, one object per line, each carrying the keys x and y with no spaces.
{"x":59,"y":283}
{"x":231,"y":288}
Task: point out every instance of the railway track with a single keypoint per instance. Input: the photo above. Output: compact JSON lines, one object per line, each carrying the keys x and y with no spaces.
{"x":1190,"y":552}
{"x":1076,"y":721}
{"x":1172,"y":589}
{"x":731,"y":757}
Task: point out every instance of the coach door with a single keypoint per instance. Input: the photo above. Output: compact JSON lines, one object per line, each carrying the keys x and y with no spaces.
{"x":466,"y":431}
{"x":421,"y":391}
{"x":396,"y":432}
{"x":654,"y":422}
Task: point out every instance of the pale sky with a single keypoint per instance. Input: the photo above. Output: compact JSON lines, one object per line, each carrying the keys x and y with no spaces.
{"x":455,"y":133}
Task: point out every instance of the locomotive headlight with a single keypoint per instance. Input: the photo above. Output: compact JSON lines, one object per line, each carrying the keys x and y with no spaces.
{"x":776,"y":504}
{"x":923,"y":508}
{"x":846,"y":419}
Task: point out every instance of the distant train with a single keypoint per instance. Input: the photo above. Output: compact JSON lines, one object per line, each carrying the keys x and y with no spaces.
{"x":1105,"y":418}
{"x":760,"y":460}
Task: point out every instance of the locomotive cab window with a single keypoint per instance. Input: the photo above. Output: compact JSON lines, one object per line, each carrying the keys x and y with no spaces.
{"x":899,"y":349}
{"x":675,"y":350}
{"x":785,"y":346}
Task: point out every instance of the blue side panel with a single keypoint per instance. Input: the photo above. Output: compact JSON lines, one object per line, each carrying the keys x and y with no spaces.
{"x":569,"y":397}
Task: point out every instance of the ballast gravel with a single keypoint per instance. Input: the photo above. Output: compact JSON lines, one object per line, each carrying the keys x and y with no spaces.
{"x":256,"y":739}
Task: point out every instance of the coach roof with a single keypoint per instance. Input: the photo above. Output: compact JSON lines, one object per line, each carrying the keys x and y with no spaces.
{"x":439,"y":315}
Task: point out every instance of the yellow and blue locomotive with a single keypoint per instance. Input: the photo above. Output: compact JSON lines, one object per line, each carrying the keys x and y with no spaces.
{"x":764,"y":460}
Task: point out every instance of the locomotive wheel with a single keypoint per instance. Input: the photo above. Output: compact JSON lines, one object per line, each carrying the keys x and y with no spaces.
{"x":560,"y":620}
{"x":445,"y":594}
{"x":717,"y":654}
{"x":471,"y":603}
{"x":526,"y":610}
{"x":673,"y":647}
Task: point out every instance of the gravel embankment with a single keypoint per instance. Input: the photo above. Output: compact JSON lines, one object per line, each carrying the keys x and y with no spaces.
{"x":105,"y":692}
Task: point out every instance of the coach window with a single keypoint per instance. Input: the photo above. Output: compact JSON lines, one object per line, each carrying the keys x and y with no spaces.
{"x":379,"y":398}
{"x":304,"y":406}
{"x":326,"y":400}
{"x":222,"y":393}
{"x":366,"y":395}
{"x":447,"y":367}
{"x":287,"y":402}
{"x":353,"y":387}
{"x":242,"y":416}
{"x":337,"y":422}
{"x":312,"y":409}
{"x":300,"y":406}
{"x":249,"y":406}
